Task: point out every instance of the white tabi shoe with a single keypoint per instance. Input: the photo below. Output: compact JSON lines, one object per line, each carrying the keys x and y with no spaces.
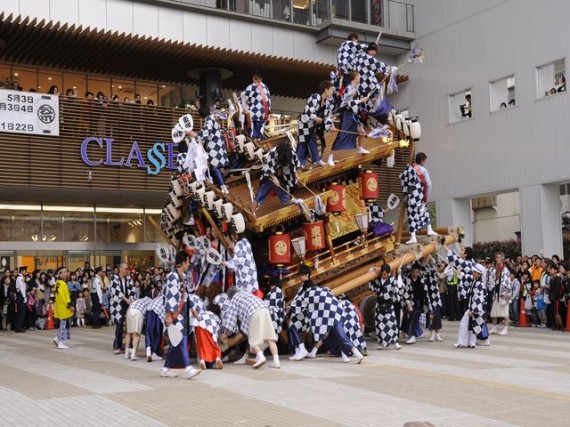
{"x":330,"y":161}
{"x":438,"y":338}
{"x":192,"y":373}
{"x":300,"y":355}
{"x":362,"y":150}
{"x":155,"y":357}
{"x":412,"y":239}
{"x":219,"y":364}
{"x":430,"y":231}
{"x":127,"y":353}
{"x":167,"y":373}
{"x":320,"y":163}
{"x":493,"y":330}
{"x":505,"y":331}
{"x":412,"y":340}
{"x":345,"y":358}
{"x":202,"y":365}
{"x":241,"y":361}
{"x":61,"y":346}
{"x":398,"y":346}
{"x":431,"y":336}
{"x":484,"y":343}
{"x":55,"y":341}
{"x":259,"y":361}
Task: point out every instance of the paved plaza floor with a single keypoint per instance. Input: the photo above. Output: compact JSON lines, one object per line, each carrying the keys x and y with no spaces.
{"x":523,"y":379}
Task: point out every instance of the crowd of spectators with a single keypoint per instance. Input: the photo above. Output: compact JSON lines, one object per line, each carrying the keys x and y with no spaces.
{"x":540,"y":285}
{"x":27,"y":298}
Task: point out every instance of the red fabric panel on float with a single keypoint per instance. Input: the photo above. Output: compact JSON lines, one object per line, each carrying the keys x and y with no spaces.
{"x":369,"y":189}
{"x":280,"y":248}
{"x":337,"y":202}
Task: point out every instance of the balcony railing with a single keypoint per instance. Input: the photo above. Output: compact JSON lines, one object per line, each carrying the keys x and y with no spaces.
{"x":390,"y":14}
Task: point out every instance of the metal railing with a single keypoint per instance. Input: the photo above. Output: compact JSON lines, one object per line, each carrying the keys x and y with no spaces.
{"x":390,"y":14}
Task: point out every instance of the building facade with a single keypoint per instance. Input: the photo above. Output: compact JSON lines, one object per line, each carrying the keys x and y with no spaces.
{"x":492,"y":102}
{"x":94,"y":190}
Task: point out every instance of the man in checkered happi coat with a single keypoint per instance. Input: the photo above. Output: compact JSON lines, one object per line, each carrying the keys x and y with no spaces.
{"x":325,"y":316}
{"x":243,"y":265}
{"x":257,"y":99}
{"x":416,"y":186}
{"x":211,"y":137}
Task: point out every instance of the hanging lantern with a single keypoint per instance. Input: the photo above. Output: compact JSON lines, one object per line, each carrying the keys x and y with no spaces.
{"x":300,"y":247}
{"x":337,"y":202}
{"x":314,"y":235}
{"x":280,"y":249}
{"x":415,"y":130}
{"x":369,"y":190}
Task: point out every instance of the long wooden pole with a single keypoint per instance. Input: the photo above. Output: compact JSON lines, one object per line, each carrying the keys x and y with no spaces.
{"x":217,"y":231}
{"x":408,"y":258}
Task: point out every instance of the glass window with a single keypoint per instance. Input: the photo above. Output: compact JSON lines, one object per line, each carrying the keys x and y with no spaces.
{"x":502,"y":93}
{"x":78,"y":227}
{"x":76,"y":83}
{"x":302,"y":12}
{"x":376,"y":12}
{"x":358,"y":9}
{"x":551,"y":78}
{"x":99,"y":86}
{"x":120,"y":228}
{"x":5,"y":77}
{"x":26,"y":226}
{"x":124,"y":89}
{"x":460,"y":106}
{"x":340,"y":9}
{"x":147,"y":92}
{"x":25,"y":79}
{"x":169,"y":96}
{"x":52,"y":227}
{"x":50,"y":82}
{"x":152,"y":234}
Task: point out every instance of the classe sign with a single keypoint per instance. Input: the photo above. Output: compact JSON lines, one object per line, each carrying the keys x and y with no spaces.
{"x":99,"y":152}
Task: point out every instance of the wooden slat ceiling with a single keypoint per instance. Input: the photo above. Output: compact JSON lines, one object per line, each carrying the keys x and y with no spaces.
{"x":89,"y":50}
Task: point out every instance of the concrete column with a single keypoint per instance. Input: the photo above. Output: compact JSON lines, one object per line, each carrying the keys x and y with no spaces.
{"x":541,"y":229}
{"x":453,"y":212}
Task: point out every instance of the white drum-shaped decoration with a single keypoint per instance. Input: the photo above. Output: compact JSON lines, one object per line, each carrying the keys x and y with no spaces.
{"x":398,"y":121}
{"x":228,"y":211}
{"x":415,"y":130}
{"x":258,"y":155}
{"x":173,"y":211}
{"x":186,"y":122}
{"x":218,"y":208}
{"x":177,"y":188}
{"x":240,"y":142}
{"x":209,"y":198}
{"x":178,"y":133}
{"x":200,"y":194}
{"x":392,"y":117}
{"x":249,"y":150}
{"x":175,"y":200}
{"x":238,"y":223}
{"x":406,"y":127}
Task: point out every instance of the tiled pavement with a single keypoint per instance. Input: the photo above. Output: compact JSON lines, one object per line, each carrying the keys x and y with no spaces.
{"x":522,"y":379}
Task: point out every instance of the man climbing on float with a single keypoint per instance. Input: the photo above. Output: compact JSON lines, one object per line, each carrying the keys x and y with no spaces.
{"x":416,"y":186}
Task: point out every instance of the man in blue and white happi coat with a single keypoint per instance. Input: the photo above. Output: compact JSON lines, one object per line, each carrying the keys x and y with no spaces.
{"x":243,"y":264}
{"x":257,"y":100}
{"x":250,"y":314}
{"x":313,"y":121}
{"x":325,"y":316}
{"x":416,"y":186}
{"x":215,"y":145}
{"x":174,"y":301}
{"x":387,"y":295}
{"x":473,"y":326}
{"x":122,"y":294}
{"x":154,"y":320}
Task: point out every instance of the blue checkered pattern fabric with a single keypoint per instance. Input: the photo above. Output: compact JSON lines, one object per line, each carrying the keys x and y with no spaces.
{"x":241,"y":307}
{"x":215,"y":145}
{"x":418,"y":215}
{"x":276,"y":304}
{"x":466,"y":268}
{"x":347,"y":53}
{"x":208,"y":321}
{"x":368,"y":66}
{"x":320,"y":307}
{"x":288,"y":179}
{"x":386,"y":324}
{"x":117,"y":295}
{"x":309,"y":114}
{"x":351,"y":324}
{"x":244,"y":266}
{"x":254,"y":101}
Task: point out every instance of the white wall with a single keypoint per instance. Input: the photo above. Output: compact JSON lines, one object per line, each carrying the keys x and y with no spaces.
{"x":467,"y":45}
{"x":498,"y":223}
{"x":133,"y":17}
